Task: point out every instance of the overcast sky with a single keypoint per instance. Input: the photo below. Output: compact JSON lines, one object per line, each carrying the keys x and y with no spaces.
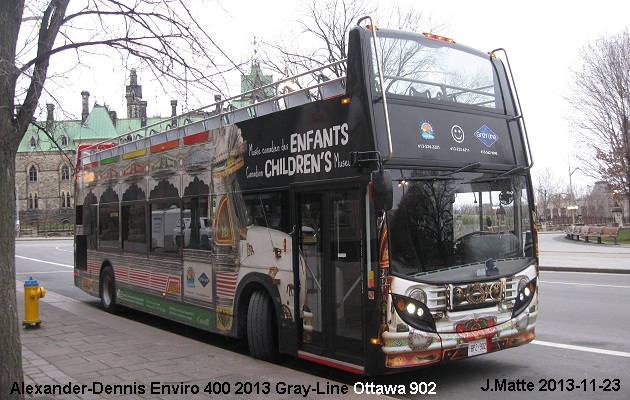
{"x":542,"y":39}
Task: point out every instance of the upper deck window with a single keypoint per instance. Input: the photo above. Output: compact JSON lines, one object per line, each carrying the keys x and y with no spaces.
{"x":421,"y":68}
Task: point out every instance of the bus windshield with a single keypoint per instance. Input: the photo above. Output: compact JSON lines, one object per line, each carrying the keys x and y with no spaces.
{"x":442,"y":221}
{"x":428,"y":69}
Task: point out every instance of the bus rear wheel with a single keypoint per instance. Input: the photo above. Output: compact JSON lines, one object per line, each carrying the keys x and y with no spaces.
{"x":108,"y":290}
{"x":262,"y":331}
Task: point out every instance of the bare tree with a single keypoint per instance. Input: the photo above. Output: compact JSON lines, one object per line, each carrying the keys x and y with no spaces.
{"x":162,"y":35}
{"x":548,"y":191}
{"x":600,"y":99}
{"x":321,"y":35}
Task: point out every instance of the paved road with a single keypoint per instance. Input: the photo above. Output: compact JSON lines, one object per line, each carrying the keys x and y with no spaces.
{"x":581,"y":336}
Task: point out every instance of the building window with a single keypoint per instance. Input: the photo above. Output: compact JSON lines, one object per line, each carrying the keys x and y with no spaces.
{"x":32,"y":201}
{"x":32,"y":174}
{"x":64,"y":140}
{"x":33,"y":142}
{"x":65,"y":173}
{"x":65,"y":200}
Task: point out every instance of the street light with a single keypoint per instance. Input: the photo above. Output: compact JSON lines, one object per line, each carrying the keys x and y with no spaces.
{"x":572,"y":207}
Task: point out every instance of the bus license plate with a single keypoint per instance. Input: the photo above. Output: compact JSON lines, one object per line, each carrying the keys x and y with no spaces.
{"x":477,"y":347}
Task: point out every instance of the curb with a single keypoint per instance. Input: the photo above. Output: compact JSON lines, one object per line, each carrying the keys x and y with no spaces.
{"x":586,"y":270}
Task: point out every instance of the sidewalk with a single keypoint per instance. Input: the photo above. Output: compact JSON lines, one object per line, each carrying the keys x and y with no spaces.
{"x":557,"y":253}
{"x":79,"y":347}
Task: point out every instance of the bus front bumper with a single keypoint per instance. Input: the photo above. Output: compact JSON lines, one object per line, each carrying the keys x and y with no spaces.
{"x":418,"y":348}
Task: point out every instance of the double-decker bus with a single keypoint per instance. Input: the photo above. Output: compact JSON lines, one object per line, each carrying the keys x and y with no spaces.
{"x":376,"y":220}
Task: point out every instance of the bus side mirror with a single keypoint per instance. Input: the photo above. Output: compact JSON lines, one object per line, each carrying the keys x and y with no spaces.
{"x":382,"y":190}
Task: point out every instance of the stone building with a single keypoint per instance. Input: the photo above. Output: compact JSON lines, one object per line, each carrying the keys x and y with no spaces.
{"x":46,"y":157}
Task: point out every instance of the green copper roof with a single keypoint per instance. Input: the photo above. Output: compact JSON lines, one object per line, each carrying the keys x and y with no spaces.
{"x":256,"y":79}
{"x":36,"y":140}
{"x":98,"y":125}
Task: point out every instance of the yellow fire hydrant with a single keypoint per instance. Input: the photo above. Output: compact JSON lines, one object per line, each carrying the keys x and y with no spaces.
{"x":32,"y":294}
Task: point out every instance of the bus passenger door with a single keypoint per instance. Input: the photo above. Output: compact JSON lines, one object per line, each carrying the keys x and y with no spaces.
{"x":329,"y":230}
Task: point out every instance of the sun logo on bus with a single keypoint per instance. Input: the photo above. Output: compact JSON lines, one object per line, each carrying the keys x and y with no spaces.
{"x":190,"y":278}
{"x":426,"y":129}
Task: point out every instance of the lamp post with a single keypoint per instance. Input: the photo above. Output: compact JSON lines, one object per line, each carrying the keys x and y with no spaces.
{"x":572,"y":207}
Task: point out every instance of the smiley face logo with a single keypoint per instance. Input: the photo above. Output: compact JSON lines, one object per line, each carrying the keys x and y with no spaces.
{"x":458,"y":133}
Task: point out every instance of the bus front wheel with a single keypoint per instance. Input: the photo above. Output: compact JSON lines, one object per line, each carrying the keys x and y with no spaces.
{"x":262,"y":331}
{"x":108,"y":290}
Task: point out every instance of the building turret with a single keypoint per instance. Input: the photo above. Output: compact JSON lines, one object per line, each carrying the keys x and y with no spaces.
{"x":133,"y":95}
{"x":50,"y":117}
{"x":85,"y":108}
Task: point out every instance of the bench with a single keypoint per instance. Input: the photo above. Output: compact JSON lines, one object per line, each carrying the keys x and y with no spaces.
{"x":573,"y":231}
{"x":609,"y":232}
{"x":586,"y":231}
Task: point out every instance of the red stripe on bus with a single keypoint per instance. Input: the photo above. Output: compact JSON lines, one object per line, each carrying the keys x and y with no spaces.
{"x":196,"y":138}
{"x":332,"y":363}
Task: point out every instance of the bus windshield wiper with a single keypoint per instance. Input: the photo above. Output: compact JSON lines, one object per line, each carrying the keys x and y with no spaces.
{"x":499,"y":177}
{"x":447,"y":176}
{"x":429,"y":178}
{"x":465,"y":168}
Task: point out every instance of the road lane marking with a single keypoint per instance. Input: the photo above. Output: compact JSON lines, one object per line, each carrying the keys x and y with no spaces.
{"x":587,"y":284}
{"x":45,"y":262}
{"x":65,"y":271}
{"x":60,"y":249}
{"x":582,"y":348}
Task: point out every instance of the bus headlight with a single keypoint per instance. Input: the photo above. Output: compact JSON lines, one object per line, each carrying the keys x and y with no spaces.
{"x":526,"y":292}
{"x":414,"y":313}
{"x":418,"y":294}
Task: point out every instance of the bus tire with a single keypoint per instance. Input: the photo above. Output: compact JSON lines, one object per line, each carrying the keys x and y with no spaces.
{"x":108,"y":290}
{"x":262,"y":331}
